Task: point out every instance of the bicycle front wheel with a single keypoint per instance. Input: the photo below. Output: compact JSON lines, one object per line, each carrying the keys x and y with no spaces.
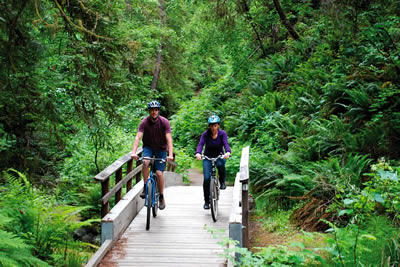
{"x":156,"y":199}
{"x":214,"y":199}
{"x":149,"y":203}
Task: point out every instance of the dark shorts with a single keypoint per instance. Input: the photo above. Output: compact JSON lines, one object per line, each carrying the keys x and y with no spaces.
{"x":148,"y":152}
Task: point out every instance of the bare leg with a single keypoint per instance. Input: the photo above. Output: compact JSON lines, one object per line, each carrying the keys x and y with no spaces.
{"x":145,"y":170}
{"x":160,"y":180}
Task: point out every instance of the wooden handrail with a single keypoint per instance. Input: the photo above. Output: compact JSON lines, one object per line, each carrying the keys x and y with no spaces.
{"x":116,"y":168}
{"x":244,"y":164}
{"x":119,"y":185}
{"x":110,"y":170}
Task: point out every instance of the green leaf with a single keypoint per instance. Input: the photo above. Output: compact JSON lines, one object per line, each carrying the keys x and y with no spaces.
{"x":388,"y":175}
{"x":346,"y":211}
{"x":378,"y":198}
{"x":369,"y":237}
{"x":348,"y":201}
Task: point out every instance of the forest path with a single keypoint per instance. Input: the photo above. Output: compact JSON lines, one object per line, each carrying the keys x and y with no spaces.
{"x":195,"y":176}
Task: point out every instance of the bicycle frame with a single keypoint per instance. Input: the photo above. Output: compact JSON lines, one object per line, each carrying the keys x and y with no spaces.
{"x":214,"y":187}
{"x":213,"y":165}
{"x":153,"y":178}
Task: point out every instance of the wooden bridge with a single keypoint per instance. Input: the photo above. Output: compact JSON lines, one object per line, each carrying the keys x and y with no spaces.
{"x":180,"y":235}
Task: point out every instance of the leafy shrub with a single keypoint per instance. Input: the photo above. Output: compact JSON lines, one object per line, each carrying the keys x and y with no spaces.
{"x":279,"y":256}
{"x":38,"y":219}
{"x":373,"y":243}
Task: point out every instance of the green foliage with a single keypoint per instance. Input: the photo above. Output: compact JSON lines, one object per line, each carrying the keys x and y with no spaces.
{"x":277,"y":221}
{"x":379,"y":194}
{"x":267,"y":256}
{"x":279,"y":256}
{"x":15,"y":252}
{"x":316,"y":111}
{"x":38,"y":221}
{"x":375,"y":242}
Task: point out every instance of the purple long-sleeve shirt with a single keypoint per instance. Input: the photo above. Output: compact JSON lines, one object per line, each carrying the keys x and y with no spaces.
{"x":214,"y":147}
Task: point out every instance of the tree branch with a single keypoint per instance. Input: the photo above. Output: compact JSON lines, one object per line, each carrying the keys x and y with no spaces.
{"x":284,"y":20}
{"x":11,"y":34}
{"x":252,"y":24}
{"x":79,"y":27}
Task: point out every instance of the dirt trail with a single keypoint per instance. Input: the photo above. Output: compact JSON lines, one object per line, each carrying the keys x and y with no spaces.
{"x":195,"y":177}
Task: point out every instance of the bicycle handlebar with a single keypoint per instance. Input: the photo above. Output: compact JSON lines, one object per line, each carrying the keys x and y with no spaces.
{"x":148,"y":158}
{"x":212,"y":159}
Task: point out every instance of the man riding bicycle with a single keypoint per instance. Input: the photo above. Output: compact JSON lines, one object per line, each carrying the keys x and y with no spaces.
{"x":157,"y":142}
{"x":215,"y":141}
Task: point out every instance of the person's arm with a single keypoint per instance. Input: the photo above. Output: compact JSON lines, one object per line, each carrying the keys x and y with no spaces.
{"x":139,"y":136}
{"x":199,"y":148}
{"x":228,"y":150}
{"x":170,"y":157}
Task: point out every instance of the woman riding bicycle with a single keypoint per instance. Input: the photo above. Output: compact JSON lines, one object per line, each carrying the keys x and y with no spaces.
{"x":215,"y":141}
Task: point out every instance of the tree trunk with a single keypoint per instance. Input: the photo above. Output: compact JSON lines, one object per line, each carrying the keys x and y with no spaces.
{"x":161,"y":6}
{"x":156,"y":75}
{"x":284,"y":20}
{"x":250,"y":19}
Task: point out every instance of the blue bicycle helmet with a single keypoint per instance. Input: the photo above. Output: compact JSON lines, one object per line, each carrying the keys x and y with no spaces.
{"x":214,"y":119}
{"x":153,"y":104}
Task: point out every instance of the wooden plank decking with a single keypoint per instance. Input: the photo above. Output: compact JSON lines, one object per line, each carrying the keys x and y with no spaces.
{"x":177,"y":236}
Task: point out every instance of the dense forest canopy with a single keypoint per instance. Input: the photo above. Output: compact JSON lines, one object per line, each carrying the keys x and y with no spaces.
{"x":311,"y":85}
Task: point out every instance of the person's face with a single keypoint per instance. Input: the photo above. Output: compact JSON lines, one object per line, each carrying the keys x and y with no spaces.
{"x":154,"y":113}
{"x":214,"y":127}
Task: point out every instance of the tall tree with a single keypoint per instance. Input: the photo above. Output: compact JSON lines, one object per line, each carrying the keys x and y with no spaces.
{"x":246,"y":9}
{"x":161,"y":6}
{"x":284,"y":20}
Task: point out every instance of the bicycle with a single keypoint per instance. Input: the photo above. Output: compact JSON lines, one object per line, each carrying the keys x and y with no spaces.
{"x":214,"y":187}
{"x":152,"y":191}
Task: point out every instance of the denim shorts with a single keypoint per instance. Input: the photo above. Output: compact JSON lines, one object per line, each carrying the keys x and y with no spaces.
{"x":149,"y":152}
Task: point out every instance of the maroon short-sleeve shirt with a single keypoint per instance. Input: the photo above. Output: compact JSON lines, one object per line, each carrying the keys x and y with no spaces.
{"x":154,"y":132}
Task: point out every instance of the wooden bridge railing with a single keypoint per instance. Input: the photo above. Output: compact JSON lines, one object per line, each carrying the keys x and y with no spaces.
{"x":114,"y":223}
{"x":117,"y":169}
{"x":239,"y":218}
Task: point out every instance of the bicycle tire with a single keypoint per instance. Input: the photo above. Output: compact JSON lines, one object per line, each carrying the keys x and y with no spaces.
{"x":149,"y":203}
{"x":214,"y":199}
{"x":157,"y":199}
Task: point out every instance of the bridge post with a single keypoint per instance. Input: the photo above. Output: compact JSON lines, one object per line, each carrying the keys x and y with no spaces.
{"x":138,"y":176}
{"x":118,"y":178}
{"x":245,"y":213}
{"x":105,"y":187}
{"x":244,"y":179}
{"x":128,"y":170}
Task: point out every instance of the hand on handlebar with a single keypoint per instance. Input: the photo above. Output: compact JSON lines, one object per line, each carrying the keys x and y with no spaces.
{"x":198,"y":156}
{"x":227,"y":155}
{"x":134,"y":156}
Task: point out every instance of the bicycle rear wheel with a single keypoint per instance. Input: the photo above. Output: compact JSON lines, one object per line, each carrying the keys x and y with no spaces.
{"x":214,"y":199}
{"x":156,"y":199}
{"x":149,"y":203}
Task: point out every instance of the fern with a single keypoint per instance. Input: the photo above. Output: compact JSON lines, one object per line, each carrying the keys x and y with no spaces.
{"x":42,"y":224}
{"x":14,"y":252}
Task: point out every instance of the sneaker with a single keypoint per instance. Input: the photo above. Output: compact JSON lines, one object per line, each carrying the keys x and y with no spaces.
{"x":143,"y":194}
{"x":206,"y":206}
{"x":223,"y":186}
{"x":161,"y":202}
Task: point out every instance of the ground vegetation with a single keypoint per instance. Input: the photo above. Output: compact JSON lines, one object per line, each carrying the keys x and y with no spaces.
{"x":311,"y":86}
